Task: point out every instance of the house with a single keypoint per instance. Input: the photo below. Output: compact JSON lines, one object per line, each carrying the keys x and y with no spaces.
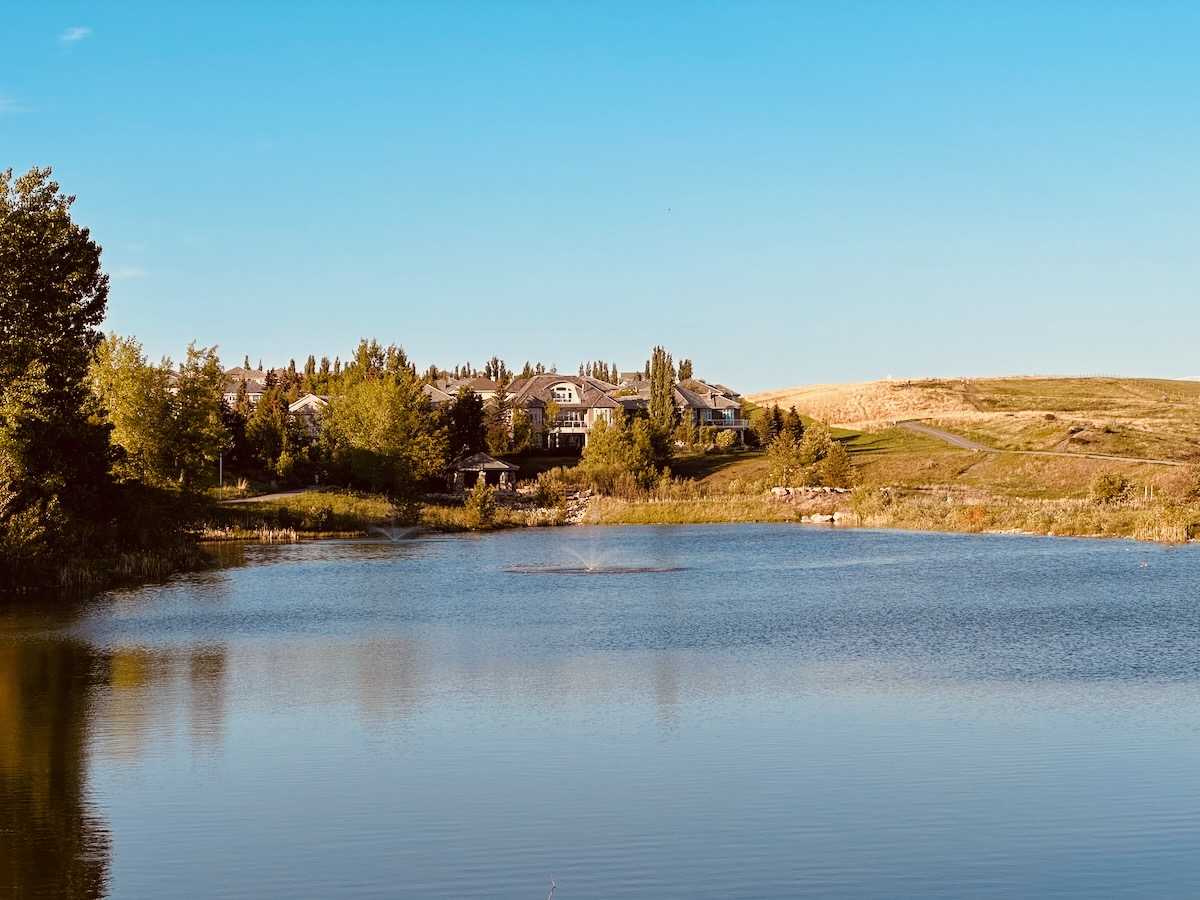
{"x":578,"y":403}
{"x":307,"y":411}
{"x":438,"y":397}
{"x":253,"y":380}
{"x":710,"y":406}
{"x":698,"y":404}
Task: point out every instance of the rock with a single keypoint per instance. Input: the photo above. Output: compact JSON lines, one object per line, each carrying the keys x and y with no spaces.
{"x":838,"y":516}
{"x":818,"y":517}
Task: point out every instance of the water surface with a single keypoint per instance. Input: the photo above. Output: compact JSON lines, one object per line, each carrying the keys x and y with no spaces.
{"x":725,"y":711}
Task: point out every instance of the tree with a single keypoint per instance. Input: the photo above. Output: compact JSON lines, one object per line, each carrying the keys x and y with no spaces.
{"x":137,"y":403}
{"x":793,"y":424}
{"x":54,"y":450}
{"x":836,"y":470}
{"x":787,"y":463}
{"x":816,"y":443}
{"x":768,"y":425}
{"x":685,"y":370}
{"x":463,"y":421}
{"x":624,"y":445}
{"x":381,"y":434}
{"x":197,"y":435}
{"x":662,"y":391}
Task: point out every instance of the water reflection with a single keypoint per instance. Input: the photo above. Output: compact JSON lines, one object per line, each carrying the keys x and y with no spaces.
{"x":153,"y":696}
{"x":54,"y":844}
{"x":364,"y":711}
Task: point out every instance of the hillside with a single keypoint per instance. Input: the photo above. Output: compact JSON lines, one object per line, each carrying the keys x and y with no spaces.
{"x":1148,"y":418}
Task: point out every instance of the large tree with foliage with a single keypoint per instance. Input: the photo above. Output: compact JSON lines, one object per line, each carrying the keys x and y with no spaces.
{"x":54,"y":452}
{"x":380,"y":433}
{"x":137,"y":403}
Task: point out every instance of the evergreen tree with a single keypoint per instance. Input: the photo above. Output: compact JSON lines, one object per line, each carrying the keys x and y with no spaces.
{"x":685,"y":369}
{"x":463,"y":421}
{"x":793,"y":424}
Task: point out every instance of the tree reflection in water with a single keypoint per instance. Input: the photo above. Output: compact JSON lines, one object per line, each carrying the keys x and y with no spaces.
{"x":54,"y":844}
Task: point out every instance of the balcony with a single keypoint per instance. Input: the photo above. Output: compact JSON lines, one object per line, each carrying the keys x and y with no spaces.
{"x":568,"y":425}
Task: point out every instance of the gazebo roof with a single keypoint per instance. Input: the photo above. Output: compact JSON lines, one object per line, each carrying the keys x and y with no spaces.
{"x":481,"y":462}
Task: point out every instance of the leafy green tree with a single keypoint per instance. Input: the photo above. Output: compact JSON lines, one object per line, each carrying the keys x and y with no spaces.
{"x":816,"y":443}
{"x":685,"y":370}
{"x":522,"y":430}
{"x":54,"y":450}
{"x":137,"y":403}
{"x":197,"y":434}
{"x":624,"y":445}
{"x":1111,"y":488}
{"x":277,"y":440}
{"x":381,"y":434}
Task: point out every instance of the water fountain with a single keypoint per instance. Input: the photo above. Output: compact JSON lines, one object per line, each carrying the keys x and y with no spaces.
{"x":586,"y":566}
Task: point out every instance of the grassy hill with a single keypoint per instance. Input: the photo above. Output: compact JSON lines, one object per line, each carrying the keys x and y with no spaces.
{"x":1141,"y":417}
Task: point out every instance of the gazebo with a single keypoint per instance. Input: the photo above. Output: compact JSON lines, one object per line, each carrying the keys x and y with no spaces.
{"x":465,"y":472}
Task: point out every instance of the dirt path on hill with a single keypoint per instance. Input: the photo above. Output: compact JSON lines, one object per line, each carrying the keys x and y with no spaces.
{"x":965,"y":444}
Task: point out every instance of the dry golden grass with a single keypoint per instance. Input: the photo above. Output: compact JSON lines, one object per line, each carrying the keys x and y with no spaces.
{"x":1146,"y":418}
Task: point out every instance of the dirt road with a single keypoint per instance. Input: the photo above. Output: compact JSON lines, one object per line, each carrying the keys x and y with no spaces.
{"x":966,"y":444}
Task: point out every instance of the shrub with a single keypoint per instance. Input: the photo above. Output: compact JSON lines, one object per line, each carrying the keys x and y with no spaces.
{"x":550,"y":491}
{"x":726,"y":440}
{"x":480,"y":506}
{"x":1110,"y":488}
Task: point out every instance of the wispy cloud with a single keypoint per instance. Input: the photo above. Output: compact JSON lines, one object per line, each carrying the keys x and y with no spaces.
{"x":121,"y":273}
{"x":73,"y":36}
{"x":9,"y":105}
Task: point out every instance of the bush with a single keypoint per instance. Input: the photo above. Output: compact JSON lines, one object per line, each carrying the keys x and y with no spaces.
{"x":1110,"y":488}
{"x":550,"y":491}
{"x":480,"y":506}
{"x":726,"y":440}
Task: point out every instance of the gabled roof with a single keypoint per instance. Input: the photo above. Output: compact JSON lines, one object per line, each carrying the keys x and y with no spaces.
{"x":482,"y":385}
{"x":436,"y":395}
{"x":481,"y":462}
{"x":308,"y":402}
{"x":593,"y":393}
{"x":690,"y":399}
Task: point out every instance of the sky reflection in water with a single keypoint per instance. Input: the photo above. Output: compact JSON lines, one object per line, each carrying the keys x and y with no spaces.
{"x":761,"y":712}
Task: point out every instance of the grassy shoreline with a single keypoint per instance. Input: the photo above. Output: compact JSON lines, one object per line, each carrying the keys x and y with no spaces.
{"x":1164,"y":522}
{"x":334,"y":515}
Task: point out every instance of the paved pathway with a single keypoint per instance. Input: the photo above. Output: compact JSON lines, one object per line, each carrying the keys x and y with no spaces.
{"x":966,"y":444}
{"x":262,"y":498}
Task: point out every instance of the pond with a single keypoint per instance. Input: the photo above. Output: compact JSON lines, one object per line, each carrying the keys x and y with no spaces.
{"x":701,"y":711}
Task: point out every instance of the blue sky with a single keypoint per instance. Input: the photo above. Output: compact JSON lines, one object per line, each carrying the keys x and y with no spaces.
{"x":786,"y":193}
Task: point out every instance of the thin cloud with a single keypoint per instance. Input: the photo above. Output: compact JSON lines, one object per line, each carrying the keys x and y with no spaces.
{"x":10,"y":106}
{"x":125,"y":272}
{"x":73,"y":36}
